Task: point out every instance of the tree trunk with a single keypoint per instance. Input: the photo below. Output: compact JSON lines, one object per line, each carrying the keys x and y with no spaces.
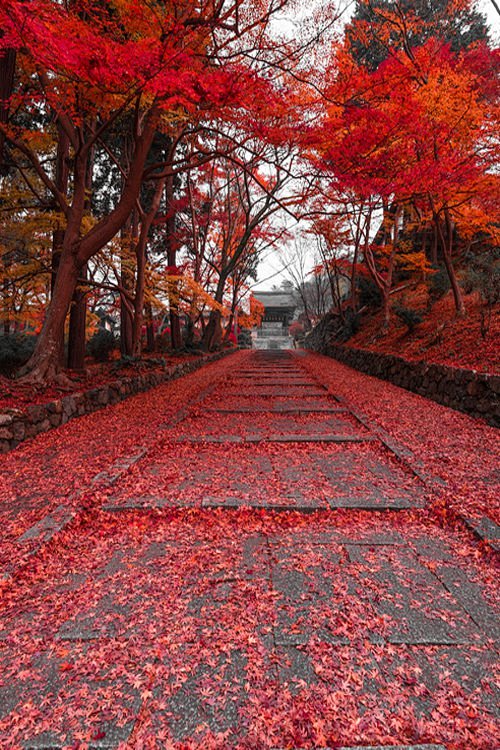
{"x":78,"y":313}
{"x":7,"y":71}
{"x":447,"y":247}
{"x":78,"y":325}
{"x":43,"y":365}
{"x":77,"y":251}
{"x":139,"y":295}
{"x":127,"y":281}
{"x":212,"y":335}
{"x":150,"y":334}
{"x":61,"y":180}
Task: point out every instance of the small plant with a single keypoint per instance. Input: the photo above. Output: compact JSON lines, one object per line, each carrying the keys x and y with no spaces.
{"x":409,"y":317}
{"x":101,"y":345}
{"x":15,"y":350}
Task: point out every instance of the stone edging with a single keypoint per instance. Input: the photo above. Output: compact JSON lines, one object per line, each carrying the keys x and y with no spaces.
{"x":18,"y":425}
{"x":469,"y":391}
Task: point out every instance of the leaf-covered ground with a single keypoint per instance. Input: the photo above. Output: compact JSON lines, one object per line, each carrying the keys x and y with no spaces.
{"x":181,"y":609}
{"x":17,"y":395}
{"x":441,"y":338}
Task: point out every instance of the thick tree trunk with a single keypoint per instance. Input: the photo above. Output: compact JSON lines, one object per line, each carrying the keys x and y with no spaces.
{"x":62,"y":175}
{"x":212,"y":335}
{"x":78,"y":313}
{"x":43,"y":365}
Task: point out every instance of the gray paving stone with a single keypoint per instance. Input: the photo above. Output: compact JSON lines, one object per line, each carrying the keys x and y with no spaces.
{"x":485,"y":528}
{"x":48,"y":526}
{"x":113,"y":736}
{"x":414,"y":599}
{"x":189,"y":709}
{"x":105,"y":620}
{"x":471,"y":598}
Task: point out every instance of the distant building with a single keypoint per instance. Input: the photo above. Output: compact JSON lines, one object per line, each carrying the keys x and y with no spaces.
{"x":280,"y":308}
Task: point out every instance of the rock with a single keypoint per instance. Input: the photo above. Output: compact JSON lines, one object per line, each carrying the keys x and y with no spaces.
{"x":5,"y":419}
{"x":19,"y":429}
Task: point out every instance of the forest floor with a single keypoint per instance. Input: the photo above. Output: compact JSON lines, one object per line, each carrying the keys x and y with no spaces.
{"x":440,"y":338}
{"x":269,"y":553}
{"x":16,"y":395}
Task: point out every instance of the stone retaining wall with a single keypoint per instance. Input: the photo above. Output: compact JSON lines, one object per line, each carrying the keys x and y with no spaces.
{"x":466,"y":390}
{"x":17,"y":425}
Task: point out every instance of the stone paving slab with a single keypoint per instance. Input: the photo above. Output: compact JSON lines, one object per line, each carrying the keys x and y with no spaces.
{"x":110,"y":720}
{"x":420,"y":612}
{"x":471,"y":598}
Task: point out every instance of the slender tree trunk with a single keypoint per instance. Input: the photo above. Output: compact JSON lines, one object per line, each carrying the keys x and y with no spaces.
{"x":78,"y":312}
{"x":175,"y":323}
{"x":434,"y":248}
{"x":139,"y":295}
{"x":61,"y":180}
{"x":446,"y":241}
{"x":150,"y":334}
{"x":78,"y":325}
{"x":127,"y":280}
{"x":7,"y":71}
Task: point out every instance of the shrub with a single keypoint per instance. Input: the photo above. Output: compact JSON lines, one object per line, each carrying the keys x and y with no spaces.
{"x":369,"y":293}
{"x":15,"y":350}
{"x":245,"y":339}
{"x":411,"y":318}
{"x":101,"y":345}
{"x":439,"y":284}
{"x":163,"y":341}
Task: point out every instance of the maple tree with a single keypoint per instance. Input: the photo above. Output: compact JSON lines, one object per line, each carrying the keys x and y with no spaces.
{"x":411,"y":138}
{"x":85,"y":65}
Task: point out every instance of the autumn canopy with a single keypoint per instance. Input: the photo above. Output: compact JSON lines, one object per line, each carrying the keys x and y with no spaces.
{"x":151,"y":153}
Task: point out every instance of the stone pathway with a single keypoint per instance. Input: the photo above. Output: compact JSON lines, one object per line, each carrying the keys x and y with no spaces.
{"x":265,"y":575}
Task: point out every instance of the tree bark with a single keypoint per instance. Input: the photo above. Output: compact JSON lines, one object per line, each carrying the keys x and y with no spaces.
{"x":446,"y":241}
{"x":43,"y":366}
{"x":7,"y":71}
{"x":78,"y":311}
{"x":78,"y":325}
{"x":127,"y":281}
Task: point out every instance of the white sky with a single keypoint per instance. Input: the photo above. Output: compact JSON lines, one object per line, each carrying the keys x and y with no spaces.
{"x":270,"y":269}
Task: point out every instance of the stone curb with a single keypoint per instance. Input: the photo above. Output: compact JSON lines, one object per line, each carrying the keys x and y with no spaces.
{"x":469,"y":391}
{"x":17,"y":425}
